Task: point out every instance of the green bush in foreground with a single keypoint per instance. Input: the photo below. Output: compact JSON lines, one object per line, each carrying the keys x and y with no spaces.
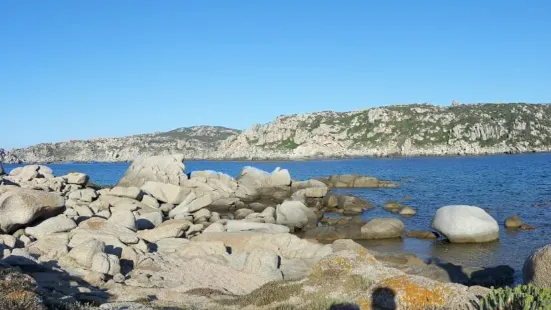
{"x":522,"y":297}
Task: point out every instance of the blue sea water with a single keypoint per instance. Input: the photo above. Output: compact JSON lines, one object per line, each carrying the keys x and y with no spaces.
{"x":503,"y":185}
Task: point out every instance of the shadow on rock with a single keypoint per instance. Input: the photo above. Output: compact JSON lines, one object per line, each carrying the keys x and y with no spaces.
{"x":384,"y":297}
{"x":491,"y":276}
{"x":344,"y":306}
{"x":58,"y":288}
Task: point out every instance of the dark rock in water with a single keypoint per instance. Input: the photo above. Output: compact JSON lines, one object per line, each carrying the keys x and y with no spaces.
{"x":422,"y":234}
{"x":513,"y":222}
{"x":393,"y":206}
{"x":396,"y":207}
{"x":355,"y":181}
{"x":353,"y":205}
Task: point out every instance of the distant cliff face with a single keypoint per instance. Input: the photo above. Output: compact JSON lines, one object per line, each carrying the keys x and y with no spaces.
{"x":194,"y":142}
{"x":408,"y":130}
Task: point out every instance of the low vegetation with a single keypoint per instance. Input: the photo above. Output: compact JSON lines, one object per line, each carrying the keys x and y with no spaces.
{"x":522,"y":297}
{"x":18,"y":291}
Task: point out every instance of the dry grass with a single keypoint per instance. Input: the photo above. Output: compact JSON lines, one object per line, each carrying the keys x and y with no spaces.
{"x":18,"y":291}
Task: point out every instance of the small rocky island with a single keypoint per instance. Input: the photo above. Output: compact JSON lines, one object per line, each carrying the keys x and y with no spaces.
{"x":165,"y":237}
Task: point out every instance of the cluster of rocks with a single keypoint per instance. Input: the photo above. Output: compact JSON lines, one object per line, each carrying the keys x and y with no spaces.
{"x":206,"y":240}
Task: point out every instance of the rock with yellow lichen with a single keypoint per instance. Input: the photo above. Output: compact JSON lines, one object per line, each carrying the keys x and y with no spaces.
{"x":350,"y":277}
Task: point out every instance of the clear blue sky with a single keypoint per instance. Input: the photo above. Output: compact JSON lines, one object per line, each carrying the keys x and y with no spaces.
{"x":79,"y":69}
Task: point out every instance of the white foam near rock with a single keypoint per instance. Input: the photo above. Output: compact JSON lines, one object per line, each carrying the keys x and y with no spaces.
{"x":465,"y":224}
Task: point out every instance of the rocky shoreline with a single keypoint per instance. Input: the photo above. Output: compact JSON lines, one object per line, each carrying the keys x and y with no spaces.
{"x":392,"y":131}
{"x":165,"y":237}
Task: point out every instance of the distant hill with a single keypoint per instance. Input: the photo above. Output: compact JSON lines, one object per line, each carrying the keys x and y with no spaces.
{"x":194,"y":142}
{"x":401,"y":130}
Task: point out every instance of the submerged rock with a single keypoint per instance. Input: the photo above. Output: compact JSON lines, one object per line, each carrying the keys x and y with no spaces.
{"x":355,"y":181}
{"x":513,"y":222}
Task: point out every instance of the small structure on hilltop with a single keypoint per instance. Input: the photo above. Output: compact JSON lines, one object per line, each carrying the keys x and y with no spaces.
{"x":455,"y":103}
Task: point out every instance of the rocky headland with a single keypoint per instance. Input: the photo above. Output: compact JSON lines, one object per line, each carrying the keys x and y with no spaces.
{"x":401,"y":130}
{"x":165,"y":237}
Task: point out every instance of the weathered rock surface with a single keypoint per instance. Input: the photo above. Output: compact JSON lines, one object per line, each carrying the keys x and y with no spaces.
{"x":232,"y":226}
{"x":168,"y":229}
{"x":295,"y":214}
{"x":128,"y":192}
{"x":465,"y":224}
{"x":60,"y":223}
{"x":162,"y":169}
{"x":21,"y":207}
{"x":168,"y":193}
{"x":77,"y":178}
{"x":537,"y":268}
{"x":84,"y":253}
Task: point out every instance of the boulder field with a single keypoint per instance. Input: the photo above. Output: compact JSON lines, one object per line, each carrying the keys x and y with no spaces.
{"x":205,"y":240}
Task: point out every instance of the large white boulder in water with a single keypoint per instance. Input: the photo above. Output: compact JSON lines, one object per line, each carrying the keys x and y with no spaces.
{"x":163,"y":169}
{"x":465,"y":224}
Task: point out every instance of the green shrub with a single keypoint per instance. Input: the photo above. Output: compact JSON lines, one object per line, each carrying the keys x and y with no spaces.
{"x":522,"y":297}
